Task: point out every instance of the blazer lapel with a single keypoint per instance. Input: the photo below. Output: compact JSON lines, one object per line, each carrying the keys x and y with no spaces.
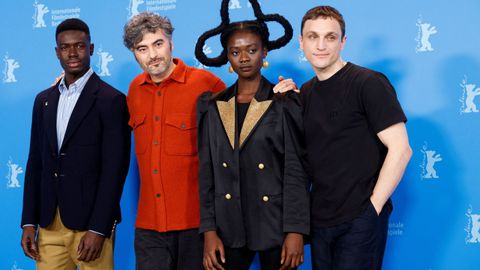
{"x":226,"y":110}
{"x":84,"y":103}
{"x":50,"y":110}
{"x":258,"y":106}
{"x":255,"y":112}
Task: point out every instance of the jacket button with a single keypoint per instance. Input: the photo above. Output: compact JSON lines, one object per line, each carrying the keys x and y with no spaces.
{"x":224,"y":165}
{"x":261,"y":166}
{"x":228,"y":196}
{"x":265,"y":198}
{"x":114,"y":225}
{"x":55,"y":174}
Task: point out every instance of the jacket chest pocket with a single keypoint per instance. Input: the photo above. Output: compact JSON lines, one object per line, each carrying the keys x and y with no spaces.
{"x":180,"y":134}
{"x":140,"y":132}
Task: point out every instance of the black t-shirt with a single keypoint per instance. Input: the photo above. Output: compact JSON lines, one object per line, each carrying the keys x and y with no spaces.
{"x":242,"y":109}
{"x":342,"y":116}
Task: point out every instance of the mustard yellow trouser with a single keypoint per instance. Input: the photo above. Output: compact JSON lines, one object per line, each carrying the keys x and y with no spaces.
{"x":58,"y":249}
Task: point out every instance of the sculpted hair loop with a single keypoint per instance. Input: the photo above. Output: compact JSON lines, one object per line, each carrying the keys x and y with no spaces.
{"x":225,"y":29}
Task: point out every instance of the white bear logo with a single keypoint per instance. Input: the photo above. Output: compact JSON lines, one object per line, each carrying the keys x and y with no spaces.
{"x":425,"y":30}
{"x":10,"y":66}
{"x":430,"y":157}
{"x":301,"y":56}
{"x":40,"y":11}
{"x":14,"y":267}
{"x":133,"y":7}
{"x":13,"y":171}
{"x":234,"y":4}
{"x":104,"y":60}
{"x":206,"y":50}
{"x":473,"y":227}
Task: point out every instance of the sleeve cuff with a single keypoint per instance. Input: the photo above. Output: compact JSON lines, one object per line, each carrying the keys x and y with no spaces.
{"x":207,"y":225}
{"x":97,"y":233}
{"x":296,"y":228}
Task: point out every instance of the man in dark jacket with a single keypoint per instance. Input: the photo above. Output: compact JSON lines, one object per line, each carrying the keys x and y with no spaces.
{"x":78,"y":161}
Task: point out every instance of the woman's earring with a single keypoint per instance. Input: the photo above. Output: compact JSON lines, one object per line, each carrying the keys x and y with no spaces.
{"x":265,"y":64}
{"x":230,"y":69}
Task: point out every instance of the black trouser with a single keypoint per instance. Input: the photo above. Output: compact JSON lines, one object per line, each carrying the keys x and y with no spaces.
{"x":355,"y":245}
{"x":242,"y":258}
{"x":176,"y":250}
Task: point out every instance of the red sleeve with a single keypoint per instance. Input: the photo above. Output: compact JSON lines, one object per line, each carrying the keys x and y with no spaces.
{"x":218,"y":85}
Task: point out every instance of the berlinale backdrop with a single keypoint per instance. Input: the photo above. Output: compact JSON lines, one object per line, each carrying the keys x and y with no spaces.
{"x":428,"y":48}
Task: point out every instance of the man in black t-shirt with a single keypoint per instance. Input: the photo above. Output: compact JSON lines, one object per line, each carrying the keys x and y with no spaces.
{"x":357,"y":148}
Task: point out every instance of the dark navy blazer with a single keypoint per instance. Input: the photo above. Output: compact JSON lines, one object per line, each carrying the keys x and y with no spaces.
{"x":85,"y":177}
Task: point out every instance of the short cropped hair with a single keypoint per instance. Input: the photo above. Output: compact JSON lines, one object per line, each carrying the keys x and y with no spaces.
{"x":324,"y":12}
{"x":145,"y":22}
{"x":72,"y":24}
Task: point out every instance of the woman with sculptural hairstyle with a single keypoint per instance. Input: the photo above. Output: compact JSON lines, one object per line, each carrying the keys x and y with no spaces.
{"x":253,"y":186}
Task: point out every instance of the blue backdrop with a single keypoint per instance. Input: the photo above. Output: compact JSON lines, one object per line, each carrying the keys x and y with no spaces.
{"x":428,"y":49}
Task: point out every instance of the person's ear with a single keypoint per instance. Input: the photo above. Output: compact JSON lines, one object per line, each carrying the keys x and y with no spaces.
{"x":92,"y":48}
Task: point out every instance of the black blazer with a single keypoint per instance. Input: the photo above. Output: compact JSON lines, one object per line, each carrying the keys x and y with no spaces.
{"x":267,"y":153}
{"x":85,"y":178}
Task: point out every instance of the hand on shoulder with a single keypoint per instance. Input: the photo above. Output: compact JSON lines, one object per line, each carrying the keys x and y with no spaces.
{"x":285,"y":85}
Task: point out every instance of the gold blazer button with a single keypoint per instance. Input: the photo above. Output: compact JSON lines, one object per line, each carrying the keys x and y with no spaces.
{"x":265,"y":198}
{"x":261,"y":166}
{"x":228,"y":196}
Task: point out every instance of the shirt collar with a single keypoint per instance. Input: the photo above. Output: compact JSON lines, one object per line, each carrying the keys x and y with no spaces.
{"x":178,"y":73}
{"x":76,"y":86}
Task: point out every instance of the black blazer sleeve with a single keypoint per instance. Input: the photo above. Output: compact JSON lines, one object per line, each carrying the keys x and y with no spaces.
{"x":206,"y":181}
{"x":296,"y":212}
{"x":115,"y":158}
{"x":33,"y":175}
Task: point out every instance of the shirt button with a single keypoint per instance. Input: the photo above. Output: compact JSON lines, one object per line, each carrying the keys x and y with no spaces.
{"x":159,"y":93}
{"x":155,"y":171}
{"x":157,"y":195}
{"x":157,"y":118}
{"x":155,"y":142}
{"x":261,"y":166}
{"x":224,"y":165}
{"x":265,"y":198}
{"x":228,"y":196}
{"x":183,"y":126}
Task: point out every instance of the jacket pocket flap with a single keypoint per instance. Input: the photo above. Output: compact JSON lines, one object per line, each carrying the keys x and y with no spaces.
{"x":136,"y":120}
{"x":181,"y":121}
